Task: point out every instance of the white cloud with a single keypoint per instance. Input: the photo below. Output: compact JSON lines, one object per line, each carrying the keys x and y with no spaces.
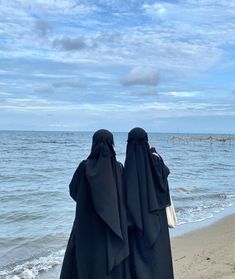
{"x":5,"y":93}
{"x":156,"y":9}
{"x":182,"y":94}
{"x":149,"y":109}
{"x":141,"y":75}
{"x":189,"y":42}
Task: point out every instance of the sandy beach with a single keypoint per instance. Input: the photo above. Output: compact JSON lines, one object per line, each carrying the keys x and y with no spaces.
{"x":207,"y":253}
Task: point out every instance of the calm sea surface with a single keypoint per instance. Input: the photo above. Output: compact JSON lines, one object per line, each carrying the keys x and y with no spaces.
{"x":36,"y":212}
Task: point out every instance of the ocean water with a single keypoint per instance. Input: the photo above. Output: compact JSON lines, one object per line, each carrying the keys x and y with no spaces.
{"x":36,"y":212}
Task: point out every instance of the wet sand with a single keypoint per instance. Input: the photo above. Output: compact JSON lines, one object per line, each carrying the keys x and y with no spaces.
{"x":207,"y":253}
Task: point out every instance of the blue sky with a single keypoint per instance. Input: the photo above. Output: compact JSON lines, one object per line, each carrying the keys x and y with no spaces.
{"x":168,"y":66}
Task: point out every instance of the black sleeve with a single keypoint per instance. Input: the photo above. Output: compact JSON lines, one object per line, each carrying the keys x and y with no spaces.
{"x":73,"y":186}
{"x":159,"y":163}
{"x":163,"y":172}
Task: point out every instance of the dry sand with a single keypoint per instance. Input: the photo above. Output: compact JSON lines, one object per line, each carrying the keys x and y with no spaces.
{"x":207,"y":253}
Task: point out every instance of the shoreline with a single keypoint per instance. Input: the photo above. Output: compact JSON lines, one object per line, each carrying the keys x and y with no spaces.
{"x":187,"y":228}
{"x":206,"y":253}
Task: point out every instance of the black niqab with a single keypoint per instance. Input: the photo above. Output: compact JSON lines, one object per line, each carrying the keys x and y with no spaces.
{"x":100,"y":172}
{"x":98,"y":244}
{"x":147,"y":196}
{"x":146,"y":185}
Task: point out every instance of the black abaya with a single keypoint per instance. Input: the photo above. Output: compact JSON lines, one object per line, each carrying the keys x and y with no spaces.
{"x":98,"y":244}
{"x":147,"y":196}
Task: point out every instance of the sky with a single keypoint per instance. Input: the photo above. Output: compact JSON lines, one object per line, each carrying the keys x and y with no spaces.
{"x":166,"y":66}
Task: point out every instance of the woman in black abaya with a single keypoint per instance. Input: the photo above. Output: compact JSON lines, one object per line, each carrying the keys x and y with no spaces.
{"x":98,"y":244}
{"x":147,"y":196}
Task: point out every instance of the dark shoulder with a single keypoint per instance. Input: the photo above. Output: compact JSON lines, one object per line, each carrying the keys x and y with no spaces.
{"x":81,"y":167}
{"x":156,"y":157}
{"x":159,"y":163}
{"x":82,"y":164}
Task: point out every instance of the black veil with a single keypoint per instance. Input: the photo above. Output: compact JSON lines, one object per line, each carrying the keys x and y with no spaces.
{"x":146,"y":185}
{"x":101,"y":175}
{"x":98,"y":244}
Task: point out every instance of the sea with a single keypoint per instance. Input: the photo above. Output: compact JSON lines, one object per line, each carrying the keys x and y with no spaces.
{"x":36,"y":211}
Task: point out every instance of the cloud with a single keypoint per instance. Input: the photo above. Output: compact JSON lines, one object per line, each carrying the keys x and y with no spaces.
{"x":44,"y":90}
{"x":148,"y":92}
{"x":141,"y":75}
{"x":43,"y":27}
{"x":67,"y":83}
{"x":138,"y":40}
{"x":123,"y":111}
{"x":156,"y":9}
{"x":109,"y":37}
{"x":70,"y":44}
{"x":183,"y":94}
{"x":5,"y":93}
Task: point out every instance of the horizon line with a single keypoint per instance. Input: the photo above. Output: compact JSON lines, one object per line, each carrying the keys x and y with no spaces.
{"x":92,"y":131}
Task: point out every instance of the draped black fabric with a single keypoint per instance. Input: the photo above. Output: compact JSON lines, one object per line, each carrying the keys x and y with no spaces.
{"x":147,"y":196}
{"x":98,"y":244}
{"x":101,"y":172}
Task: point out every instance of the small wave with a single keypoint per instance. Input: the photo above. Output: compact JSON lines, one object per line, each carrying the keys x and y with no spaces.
{"x":32,"y":267}
{"x":33,"y":242}
{"x":5,"y":197}
{"x":194,"y":196}
{"x":194,"y":209}
{"x":199,"y":213}
{"x":20,"y":216}
{"x":195,"y":220}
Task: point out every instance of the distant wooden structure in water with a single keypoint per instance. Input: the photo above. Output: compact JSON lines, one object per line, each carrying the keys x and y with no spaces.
{"x":201,"y":138}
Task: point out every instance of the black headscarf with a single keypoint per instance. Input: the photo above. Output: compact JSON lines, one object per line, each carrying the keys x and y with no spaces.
{"x":146,"y":185}
{"x":101,"y":175}
{"x":98,"y":245}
